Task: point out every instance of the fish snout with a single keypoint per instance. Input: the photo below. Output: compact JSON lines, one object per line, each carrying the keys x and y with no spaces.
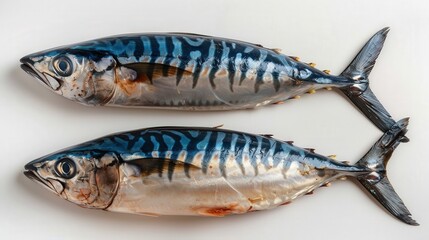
{"x":26,"y":60}
{"x":30,"y":167}
{"x":31,"y":173}
{"x":27,"y":64}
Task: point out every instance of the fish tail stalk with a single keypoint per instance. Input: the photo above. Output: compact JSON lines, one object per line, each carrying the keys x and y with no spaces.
{"x":360,"y":93}
{"x":376,"y":181}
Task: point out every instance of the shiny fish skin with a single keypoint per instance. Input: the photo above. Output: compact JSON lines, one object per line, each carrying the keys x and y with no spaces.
{"x":200,"y":171}
{"x":196,"y":72}
{"x":223,"y":173}
{"x":200,"y":72}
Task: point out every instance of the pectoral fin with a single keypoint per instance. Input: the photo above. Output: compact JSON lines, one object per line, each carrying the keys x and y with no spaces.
{"x":147,"y":72}
{"x":160,"y":166}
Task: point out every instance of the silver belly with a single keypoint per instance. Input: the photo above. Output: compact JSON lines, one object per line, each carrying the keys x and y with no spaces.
{"x":211,"y":194}
{"x":163,"y":93}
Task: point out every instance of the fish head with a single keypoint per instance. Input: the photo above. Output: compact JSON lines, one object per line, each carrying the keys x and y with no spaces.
{"x":83,"y":76}
{"x":88,"y":179}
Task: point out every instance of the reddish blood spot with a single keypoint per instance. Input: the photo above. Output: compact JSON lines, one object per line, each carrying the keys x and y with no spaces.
{"x":219,"y":211}
{"x":84,"y":194}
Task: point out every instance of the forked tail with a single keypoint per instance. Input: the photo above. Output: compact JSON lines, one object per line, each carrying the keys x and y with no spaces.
{"x":360,"y":93}
{"x":376,"y":181}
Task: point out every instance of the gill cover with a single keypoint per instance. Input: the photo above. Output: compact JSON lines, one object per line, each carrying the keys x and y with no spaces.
{"x":89,"y":181}
{"x":86,"y":77}
{"x":97,"y":185}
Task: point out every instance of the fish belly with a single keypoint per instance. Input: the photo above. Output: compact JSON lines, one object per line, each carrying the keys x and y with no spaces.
{"x":220,"y":94}
{"x":213,"y":193}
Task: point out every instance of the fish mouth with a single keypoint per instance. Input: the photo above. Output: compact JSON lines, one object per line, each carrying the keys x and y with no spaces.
{"x":48,"y":81}
{"x":32,"y":175}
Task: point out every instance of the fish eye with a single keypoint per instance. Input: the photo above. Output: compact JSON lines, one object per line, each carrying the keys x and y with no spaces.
{"x":65,"y":168}
{"x":63,"y":66}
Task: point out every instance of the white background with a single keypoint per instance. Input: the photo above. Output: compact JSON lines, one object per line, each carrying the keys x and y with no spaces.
{"x":35,"y":121}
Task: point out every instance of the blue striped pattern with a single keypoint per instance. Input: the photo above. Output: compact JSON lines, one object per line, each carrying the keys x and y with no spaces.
{"x":197,"y":52}
{"x":215,"y":144}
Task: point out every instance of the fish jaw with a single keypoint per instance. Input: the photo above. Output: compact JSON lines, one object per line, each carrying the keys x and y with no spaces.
{"x":31,"y":173}
{"x":27,"y":64}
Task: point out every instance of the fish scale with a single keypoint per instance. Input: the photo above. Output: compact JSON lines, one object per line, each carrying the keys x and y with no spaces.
{"x":196,"y":72}
{"x":211,"y":142}
{"x":202,"y":171}
{"x":206,"y":172}
{"x":154,"y":47}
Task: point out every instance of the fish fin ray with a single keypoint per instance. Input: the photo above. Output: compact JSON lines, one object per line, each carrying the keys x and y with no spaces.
{"x":359,"y":92}
{"x":376,"y":181}
{"x":218,"y":126}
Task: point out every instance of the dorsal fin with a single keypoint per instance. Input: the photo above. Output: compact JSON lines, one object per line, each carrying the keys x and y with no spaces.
{"x":310,"y":149}
{"x":267,"y":135}
{"x":218,"y":126}
{"x":289,"y":142}
{"x":276,"y":50}
{"x":295,"y":58}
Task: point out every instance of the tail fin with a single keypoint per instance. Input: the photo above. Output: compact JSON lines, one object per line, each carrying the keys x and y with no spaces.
{"x":376,"y":182}
{"x":360,"y":93}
